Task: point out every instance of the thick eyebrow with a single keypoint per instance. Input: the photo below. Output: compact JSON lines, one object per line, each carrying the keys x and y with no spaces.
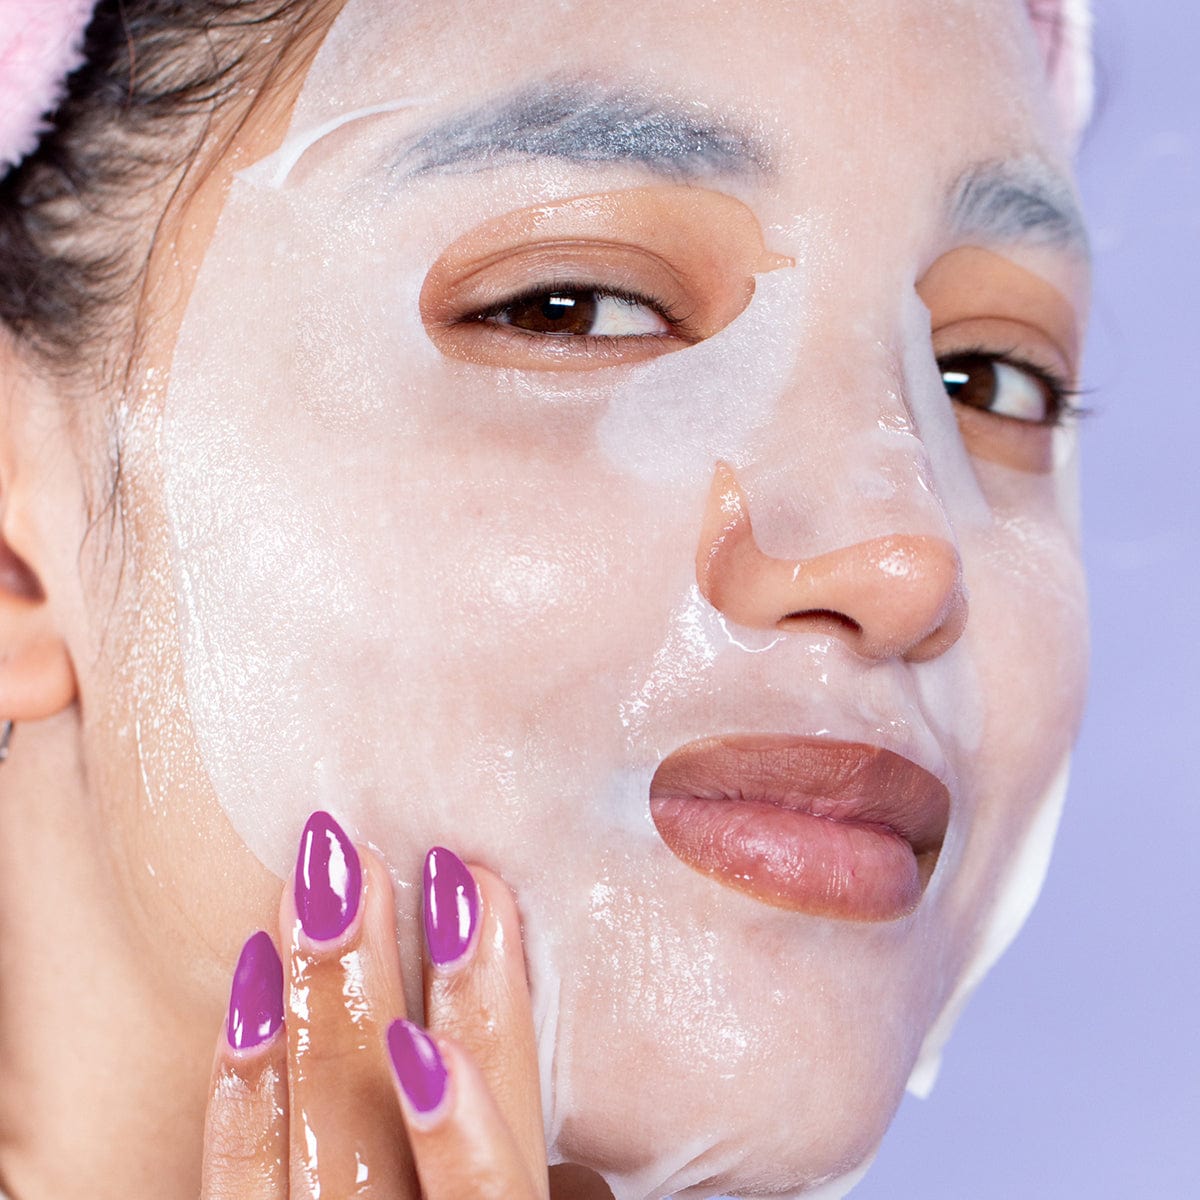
{"x":1018,"y":201}
{"x":583,"y":122}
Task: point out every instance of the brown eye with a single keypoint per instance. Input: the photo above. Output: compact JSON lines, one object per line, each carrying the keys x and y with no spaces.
{"x":554,"y":312}
{"x":1007,"y":389}
{"x":580,"y":312}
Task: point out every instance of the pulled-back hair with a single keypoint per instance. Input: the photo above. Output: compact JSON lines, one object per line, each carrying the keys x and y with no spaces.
{"x":78,"y":217}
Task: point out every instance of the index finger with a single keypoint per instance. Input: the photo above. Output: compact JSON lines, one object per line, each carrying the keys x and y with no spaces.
{"x":461,"y":1142}
{"x":477,"y":993}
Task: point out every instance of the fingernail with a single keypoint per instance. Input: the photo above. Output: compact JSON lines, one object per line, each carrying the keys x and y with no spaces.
{"x":451,"y":906}
{"x":328,"y":879}
{"x":418,"y":1065}
{"x":256,"y":997}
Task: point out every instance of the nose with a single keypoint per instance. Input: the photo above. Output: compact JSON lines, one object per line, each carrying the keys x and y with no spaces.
{"x":898,"y":596}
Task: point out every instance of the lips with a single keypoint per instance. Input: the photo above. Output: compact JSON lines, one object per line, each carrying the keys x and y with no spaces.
{"x":836,"y":829}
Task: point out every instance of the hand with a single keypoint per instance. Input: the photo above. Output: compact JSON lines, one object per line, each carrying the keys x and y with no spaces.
{"x":320,"y":1090}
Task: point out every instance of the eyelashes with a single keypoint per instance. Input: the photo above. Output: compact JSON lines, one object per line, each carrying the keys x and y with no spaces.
{"x":1007,"y":384}
{"x":578,"y":309}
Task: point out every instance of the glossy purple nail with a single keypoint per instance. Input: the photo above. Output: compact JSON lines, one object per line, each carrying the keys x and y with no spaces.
{"x":328,"y":879}
{"x":418,"y":1066}
{"x":256,"y":998}
{"x":451,"y":906}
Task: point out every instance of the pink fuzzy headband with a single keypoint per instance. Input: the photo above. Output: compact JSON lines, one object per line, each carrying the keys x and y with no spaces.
{"x":40,"y":43}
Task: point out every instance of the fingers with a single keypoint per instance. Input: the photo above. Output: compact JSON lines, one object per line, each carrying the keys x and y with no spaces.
{"x":461,"y":1141}
{"x":245,"y":1131}
{"x":477,"y":996}
{"x":312,"y":1105}
{"x":338,"y":923}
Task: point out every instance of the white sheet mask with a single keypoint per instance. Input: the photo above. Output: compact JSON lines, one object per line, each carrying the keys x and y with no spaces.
{"x":1016,"y":898}
{"x":458,"y":604}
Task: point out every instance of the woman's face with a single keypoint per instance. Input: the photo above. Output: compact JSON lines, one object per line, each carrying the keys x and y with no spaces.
{"x":583,"y":400}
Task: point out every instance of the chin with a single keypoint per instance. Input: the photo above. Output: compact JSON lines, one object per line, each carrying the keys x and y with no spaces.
{"x":691,"y":1136}
{"x":690,"y":1062}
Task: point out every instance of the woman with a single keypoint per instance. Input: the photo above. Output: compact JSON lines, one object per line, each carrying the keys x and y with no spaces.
{"x":634,"y":453}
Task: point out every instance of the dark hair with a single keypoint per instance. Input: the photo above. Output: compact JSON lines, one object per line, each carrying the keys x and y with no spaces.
{"x":78,"y":217}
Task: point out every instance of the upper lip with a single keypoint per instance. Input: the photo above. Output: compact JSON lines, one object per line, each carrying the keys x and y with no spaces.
{"x":849,"y":782}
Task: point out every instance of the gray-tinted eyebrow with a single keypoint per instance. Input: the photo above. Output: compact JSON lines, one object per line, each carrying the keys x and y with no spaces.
{"x":588,"y":122}
{"x":1019,"y":201}
{"x":582,"y":122}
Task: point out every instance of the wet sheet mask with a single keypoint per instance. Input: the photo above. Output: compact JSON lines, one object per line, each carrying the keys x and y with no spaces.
{"x":440,"y":578}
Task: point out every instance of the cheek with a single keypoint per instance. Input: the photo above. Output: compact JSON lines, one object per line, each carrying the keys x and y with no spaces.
{"x":368,"y":615}
{"x":555,"y":563}
{"x":1028,"y":627}
{"x":536,"y":596}
{"x":1029,"y":598}
{"x":1028,"y":605}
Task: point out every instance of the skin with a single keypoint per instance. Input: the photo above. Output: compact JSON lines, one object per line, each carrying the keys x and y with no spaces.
{"x":484,"y":1138}
{"x":120,"y":873}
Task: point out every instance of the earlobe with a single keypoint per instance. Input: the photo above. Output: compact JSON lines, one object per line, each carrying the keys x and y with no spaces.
{"x":37,"y":678}
{"x":37,"y":675}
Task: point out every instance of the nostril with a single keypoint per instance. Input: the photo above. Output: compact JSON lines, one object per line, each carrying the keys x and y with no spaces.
{"x":825,"y":619}
{"x":580,"y":1183}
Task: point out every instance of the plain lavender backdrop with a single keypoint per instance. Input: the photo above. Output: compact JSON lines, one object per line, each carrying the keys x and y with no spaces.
{"x":1076,"y":1070}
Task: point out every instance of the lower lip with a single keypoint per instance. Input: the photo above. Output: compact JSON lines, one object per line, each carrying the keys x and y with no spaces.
{"x":749,"y":813}
{"x":794,"y":860}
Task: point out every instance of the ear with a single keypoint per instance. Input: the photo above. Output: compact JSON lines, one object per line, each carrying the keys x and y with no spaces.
{"x":37,"y":677}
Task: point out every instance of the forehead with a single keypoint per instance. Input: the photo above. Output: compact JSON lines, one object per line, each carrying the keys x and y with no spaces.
{"x":932,"y":105}
{"x":796,"y":71}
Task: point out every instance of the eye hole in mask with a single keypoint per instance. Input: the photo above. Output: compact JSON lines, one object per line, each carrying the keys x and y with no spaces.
{"x":1006,"y":342}
{"x":595,"y":281}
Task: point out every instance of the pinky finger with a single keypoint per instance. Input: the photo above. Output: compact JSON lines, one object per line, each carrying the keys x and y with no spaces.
{"x":245,"y":1126}
{"x":460,"y":1142}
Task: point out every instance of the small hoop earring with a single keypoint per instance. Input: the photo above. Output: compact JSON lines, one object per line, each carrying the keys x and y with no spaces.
{"x":5,"y":737}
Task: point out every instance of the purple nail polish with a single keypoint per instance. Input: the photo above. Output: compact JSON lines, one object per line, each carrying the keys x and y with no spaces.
{"x":451,"y":906}
{"x":418,"y":1066}
{"x":256,"y":998}
{"x":328,"y":879}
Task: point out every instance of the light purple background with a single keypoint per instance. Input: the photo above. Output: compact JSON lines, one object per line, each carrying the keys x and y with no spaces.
{"x":1076,"y":1070}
